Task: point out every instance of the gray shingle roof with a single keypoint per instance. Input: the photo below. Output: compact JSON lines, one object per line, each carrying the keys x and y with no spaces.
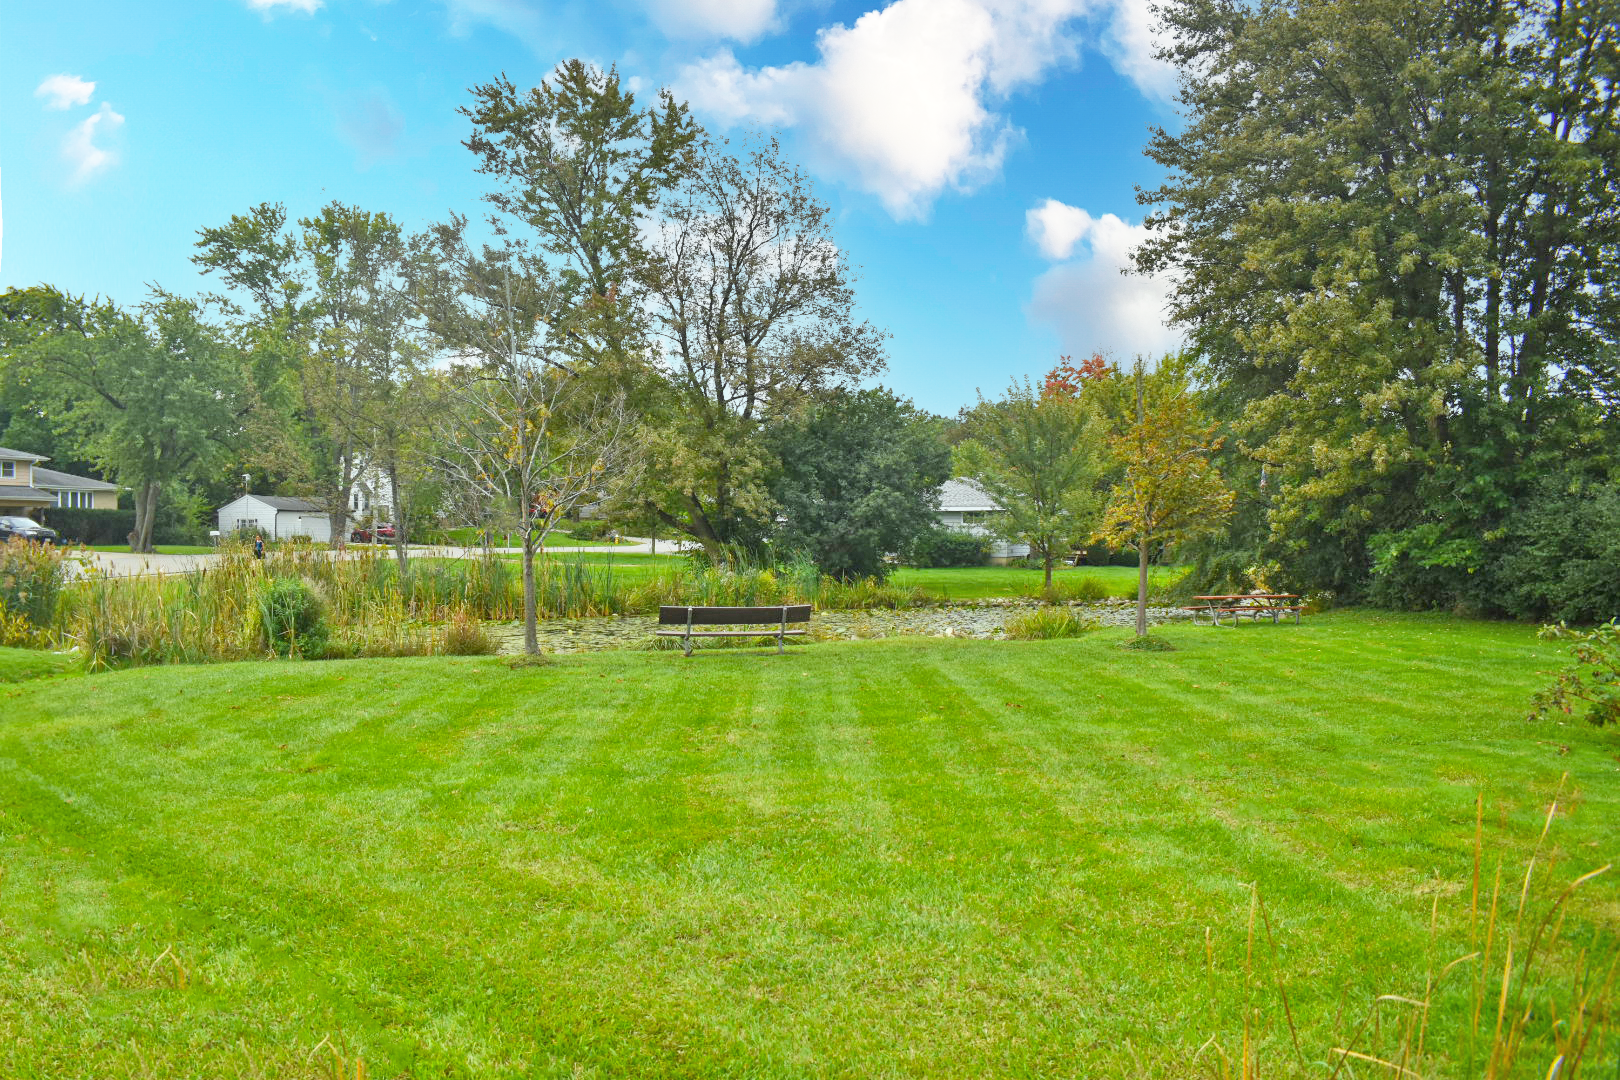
{"x":287,"y":502}
{"x":50,"y":478}
{"x":965,"y":494}
{"x":19,"y":455}
{"x":16,"y":493}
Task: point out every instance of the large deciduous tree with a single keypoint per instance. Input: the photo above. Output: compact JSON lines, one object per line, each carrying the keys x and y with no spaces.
{"x":152,"y":397}
{"x":859,"y":478}
{"x":1397,"y":235}
{"x":327,"y":301}
{"x":577,"y":166}
{"x":753,"y":313}
{"x":1041,"y":455}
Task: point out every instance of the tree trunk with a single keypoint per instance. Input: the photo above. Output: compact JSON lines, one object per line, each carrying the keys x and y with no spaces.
{"x":146,"y":498}
{"x":1048,"y":558}
{"x":1141,"y":586}
{"x":398,"y":511}
{"x":531,"y":630}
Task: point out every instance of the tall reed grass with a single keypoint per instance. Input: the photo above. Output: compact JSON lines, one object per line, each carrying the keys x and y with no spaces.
{"x":1514,"y":982}
{"x":371,"y":608}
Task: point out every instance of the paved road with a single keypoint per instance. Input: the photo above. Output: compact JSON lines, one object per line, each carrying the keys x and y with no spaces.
{"x":124,"y":564}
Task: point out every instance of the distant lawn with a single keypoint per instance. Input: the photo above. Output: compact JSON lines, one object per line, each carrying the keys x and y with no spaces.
{"x":162,"y":549}
{"x":20,"y":665}
{"x":928,"y":858}
{"x":468,"y":537}
{"x":984,"y":582}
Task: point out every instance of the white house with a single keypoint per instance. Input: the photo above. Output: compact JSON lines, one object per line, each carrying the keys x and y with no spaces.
{"x":964,"y":506}
{"x":277,"y":517}
{"x":373,"y":493}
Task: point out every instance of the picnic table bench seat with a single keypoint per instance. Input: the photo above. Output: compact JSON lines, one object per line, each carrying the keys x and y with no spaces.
{"x":1251,"y":604}
{"x":687,"y":616}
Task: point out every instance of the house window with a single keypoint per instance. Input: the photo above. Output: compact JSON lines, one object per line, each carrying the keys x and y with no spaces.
{"x":74,"y":500}
{"x":8,"y":469}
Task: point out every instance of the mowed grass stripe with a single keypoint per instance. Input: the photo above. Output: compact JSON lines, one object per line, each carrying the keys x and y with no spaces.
{"x":854,"y":860}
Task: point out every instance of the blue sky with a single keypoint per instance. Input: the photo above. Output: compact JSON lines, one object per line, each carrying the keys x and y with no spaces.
{"x":980,"y":155}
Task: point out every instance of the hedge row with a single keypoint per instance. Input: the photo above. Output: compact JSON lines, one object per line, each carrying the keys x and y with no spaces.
{"x":101,"y":527}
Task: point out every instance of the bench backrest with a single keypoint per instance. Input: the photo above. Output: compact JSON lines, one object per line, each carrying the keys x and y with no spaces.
{"x":733,"y":616}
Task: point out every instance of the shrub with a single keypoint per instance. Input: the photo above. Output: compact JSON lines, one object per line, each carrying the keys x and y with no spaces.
{"x":588,"y":529}
{"x":1594,"y":677}
{"x":940,"y":548}
{"x":292,"y":618}
{"x":90,"y":527}
{"x":31,"y":579}
{"x":465,"y":636}
{"x":1045,"y":623}
{"x":1559,"y":557}
{"x":1085,"y":590}
{"x":1147,"y":643}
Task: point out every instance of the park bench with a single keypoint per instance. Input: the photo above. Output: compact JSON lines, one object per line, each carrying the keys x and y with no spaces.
{"x":777,"y":617}
{"x":1255,"y":605}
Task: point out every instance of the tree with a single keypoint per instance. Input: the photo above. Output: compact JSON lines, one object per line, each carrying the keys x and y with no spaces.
{"x":152,"y":397}
{"x":859,"y":477}
{"x":752,"y":309}
{"x":1040,"y":455}
{"x":530,"y":434}
{"x":579,"y":166}
{"x":1171,"y":490}
{"x":329,"y":305}
{"x":1396,"y":254}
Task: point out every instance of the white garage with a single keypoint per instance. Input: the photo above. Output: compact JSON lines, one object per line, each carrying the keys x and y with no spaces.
{"x":277,"y":517}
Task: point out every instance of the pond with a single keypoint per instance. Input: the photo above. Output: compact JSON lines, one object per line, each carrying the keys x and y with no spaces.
{"x":982,"y":619}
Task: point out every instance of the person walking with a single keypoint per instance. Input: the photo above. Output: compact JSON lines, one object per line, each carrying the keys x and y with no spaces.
{"x":258,"y":546}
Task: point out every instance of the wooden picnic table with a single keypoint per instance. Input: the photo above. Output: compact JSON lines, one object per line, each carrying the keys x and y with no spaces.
{"x":1238,"y":605}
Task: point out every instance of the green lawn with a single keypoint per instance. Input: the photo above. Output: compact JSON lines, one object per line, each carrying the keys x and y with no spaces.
{"x":163,"y":549}
{"x":21,"y":665}
{"x":468,"y":537}
{"x":896,"y":858}
{"x":981,"y":582}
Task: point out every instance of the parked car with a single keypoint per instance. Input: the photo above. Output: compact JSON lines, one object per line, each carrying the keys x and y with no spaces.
{"x":28,"y":529}
{"x":366,"y":534}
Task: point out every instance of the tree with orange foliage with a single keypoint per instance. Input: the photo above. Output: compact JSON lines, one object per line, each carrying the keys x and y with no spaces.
{"x":1068,"y":379}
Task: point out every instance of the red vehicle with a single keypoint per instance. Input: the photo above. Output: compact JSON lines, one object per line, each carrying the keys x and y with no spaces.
{"x":367,"y":534}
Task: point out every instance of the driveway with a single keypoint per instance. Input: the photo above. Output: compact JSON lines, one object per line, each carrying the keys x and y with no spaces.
{"x":124,"y":564}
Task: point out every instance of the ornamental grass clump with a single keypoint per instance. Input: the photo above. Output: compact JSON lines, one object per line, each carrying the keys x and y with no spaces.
{"x":1085,"y":590}
{"x":1048,"y":623}
{"x":293,"y":618}
{"x":31,"y":580}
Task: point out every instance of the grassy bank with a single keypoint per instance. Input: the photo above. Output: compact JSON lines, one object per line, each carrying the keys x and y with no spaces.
{"x":920,"y":858}
{"x":984,"y":582}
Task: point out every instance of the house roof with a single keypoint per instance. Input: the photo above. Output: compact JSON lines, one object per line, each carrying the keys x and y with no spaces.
{"x":61,"y":481}
{"x":15,"y":494}
{"x":19,"y":455}
{"x":288,"y":502}
{"x":965,"y":494}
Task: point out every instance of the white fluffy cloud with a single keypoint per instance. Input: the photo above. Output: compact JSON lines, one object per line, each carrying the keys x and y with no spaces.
{"x":1056,"y":227}
{"x":1088,"y":301}
{"x":1134,"y":37}
{"x":739,"y":20}
{"x":306,"y":6}
{"x":64,"y":91}
{"x":904,"y":102}
{"x":901,"y":100}
{"x":80,"y":147}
